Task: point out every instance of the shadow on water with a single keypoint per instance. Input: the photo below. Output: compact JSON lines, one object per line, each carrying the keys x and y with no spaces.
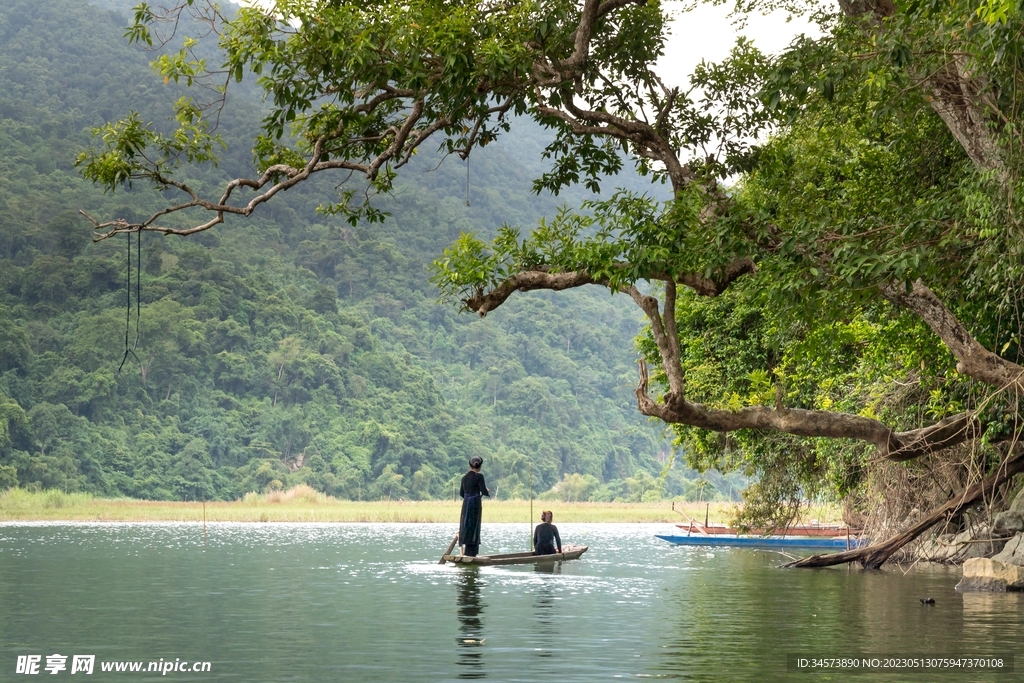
{"x":471,"y":636}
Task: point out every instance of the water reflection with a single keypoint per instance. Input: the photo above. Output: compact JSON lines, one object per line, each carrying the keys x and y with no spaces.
{"x":985,"y":620}
{"x":471,"y":636}
{"x":981,"y":609}
{"x":543,"y":608}
{"x":633,"y":607}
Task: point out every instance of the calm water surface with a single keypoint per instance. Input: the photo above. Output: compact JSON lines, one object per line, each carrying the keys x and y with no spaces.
{"x":360,"y":602}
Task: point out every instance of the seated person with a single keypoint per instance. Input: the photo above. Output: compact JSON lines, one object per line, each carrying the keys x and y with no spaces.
{"x":545,"y":536}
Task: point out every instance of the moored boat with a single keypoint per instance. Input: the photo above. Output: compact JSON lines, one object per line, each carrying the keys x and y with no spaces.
{"x":569,"y":552}
{"x":824,"y":530}
{"x":725,"y":540}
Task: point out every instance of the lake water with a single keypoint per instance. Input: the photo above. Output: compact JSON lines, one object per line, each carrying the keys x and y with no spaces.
{"x":360,"y":602}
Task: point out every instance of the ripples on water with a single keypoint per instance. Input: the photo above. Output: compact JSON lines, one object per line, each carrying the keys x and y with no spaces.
{"x":355,"y":602}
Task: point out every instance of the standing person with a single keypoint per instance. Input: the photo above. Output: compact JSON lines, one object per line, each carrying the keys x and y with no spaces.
{"x":472,"y":491}
{"x":545,"y":536}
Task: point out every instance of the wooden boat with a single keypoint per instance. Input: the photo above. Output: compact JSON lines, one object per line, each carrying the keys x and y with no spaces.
{"x":724,"y":540}
{"x":823,"y":530}
{"x":569,"y":552}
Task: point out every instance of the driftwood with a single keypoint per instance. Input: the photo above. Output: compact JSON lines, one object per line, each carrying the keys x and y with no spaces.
{"x":875,"y":556}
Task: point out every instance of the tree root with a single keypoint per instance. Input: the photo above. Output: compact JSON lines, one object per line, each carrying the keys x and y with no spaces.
{"x":875,"y":556}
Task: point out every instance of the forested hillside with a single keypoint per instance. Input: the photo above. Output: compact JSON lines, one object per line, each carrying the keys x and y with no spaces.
{"x":290,"y":347}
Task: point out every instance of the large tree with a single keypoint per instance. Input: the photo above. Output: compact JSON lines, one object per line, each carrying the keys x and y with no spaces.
{"x":886,"y":195}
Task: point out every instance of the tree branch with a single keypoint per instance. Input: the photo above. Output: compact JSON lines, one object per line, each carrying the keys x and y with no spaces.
{"x":668,"y":350}
{"x":542,"y":278}
{"x":675,"y":409}
{"x":898,"y":446}
{"x":527,"y":281}
{"x":973,"y":359}
{"x":955,"y":94}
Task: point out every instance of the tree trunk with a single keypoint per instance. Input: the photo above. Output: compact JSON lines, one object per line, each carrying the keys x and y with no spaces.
{"x":875,"y":556}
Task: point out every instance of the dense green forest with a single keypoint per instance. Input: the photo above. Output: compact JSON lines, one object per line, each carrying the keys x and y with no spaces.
{"x":831,"y":289}
{"x":290,"y":347}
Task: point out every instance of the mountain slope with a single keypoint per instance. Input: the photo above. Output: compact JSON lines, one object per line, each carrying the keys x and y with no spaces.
{"x":289,"y":347}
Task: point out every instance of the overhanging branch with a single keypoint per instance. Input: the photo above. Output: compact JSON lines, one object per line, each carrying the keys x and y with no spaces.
{"x":973,"y":359}
{"x":892,"y":445}
{"x":483,"y":302}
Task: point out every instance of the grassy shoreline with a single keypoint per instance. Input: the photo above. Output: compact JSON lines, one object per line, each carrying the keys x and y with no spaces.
{"x":305,"y":505}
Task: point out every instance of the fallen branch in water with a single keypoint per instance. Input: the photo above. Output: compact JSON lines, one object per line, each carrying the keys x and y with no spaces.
{"x":875,"y":556}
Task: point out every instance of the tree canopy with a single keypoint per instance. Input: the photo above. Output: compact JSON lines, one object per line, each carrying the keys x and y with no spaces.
{"x":854,"y":276}
{"x":292,"y":347}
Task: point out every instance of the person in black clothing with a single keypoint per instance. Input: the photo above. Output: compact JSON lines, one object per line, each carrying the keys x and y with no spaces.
{"x":545,"y":536}
{"x":472,"y":491}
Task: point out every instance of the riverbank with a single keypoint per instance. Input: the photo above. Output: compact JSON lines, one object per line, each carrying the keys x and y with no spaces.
{"x":303,"y":504}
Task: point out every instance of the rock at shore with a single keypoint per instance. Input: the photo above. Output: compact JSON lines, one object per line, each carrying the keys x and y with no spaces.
{"x":1012,"y":552}
{"x":1010,"y":520}
{"x":954,"y":549}
{"x":1007,"y":522}
{"x":987,"y":574}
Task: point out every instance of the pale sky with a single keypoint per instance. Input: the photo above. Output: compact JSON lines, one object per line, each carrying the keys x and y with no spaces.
{"x":707,"y":33}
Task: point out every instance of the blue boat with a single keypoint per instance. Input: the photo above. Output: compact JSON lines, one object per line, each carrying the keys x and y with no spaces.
{"x":724,"y":540}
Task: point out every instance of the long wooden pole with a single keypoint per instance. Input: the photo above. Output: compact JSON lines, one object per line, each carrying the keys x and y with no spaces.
{"x":531,"y":507}
{"x":451,"y":546}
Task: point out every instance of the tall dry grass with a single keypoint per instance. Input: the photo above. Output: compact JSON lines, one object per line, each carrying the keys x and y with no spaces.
{"x":304,"y":504}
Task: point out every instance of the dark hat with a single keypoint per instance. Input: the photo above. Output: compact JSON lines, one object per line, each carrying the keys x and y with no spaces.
{"x":476,"y":461}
